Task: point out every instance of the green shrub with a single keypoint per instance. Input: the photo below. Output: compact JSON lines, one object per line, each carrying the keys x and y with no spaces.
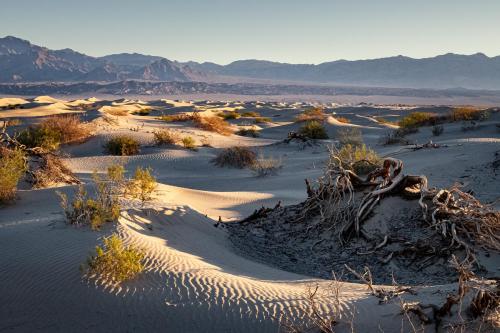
{"x":182,"y":117}
{"x":212,"y":124}
{"x":142,"y":112}
{"x":350,"y":136}
{"x":253,"y":132}
{"x":123,"y":145}
{"x":313,"y":130}
{"x":262,"y":120}
{"x":468,"y":114}
{"x":113,"y":262}
{"x":229,"y":115}
{"x":359,"y":159}
{"x":43,"y":137}
{"x":165,"y":137}
{"x":142,"y":185}
{"x":250,"y":114}
{"x":418,"y":119}
{"x":12,"y":168}
{"x":94,"y":210}
{"x":235,"y":157}
{"x":188,"y":143}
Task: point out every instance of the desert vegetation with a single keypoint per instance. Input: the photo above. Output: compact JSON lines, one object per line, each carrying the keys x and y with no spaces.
{"x":231,"y":115}
{"x":165,"y":137}
{"x":266,"y":166}
{"x":262,"y":120}
{"x":122,"y":145}
{"x":252,"y":132}
{"x":342,"y":120}
{"x":235,"y":157}
{"x":314,"y":114}
{"x":313,"y":130}
{"x":188,"y":142}
{"x":212,"y":124}
{"x":114,"y":262}
{"x":12,"y":168}
{"x":142,"y":185}
{"x":419,"y":119}
{"x":350,"y":136}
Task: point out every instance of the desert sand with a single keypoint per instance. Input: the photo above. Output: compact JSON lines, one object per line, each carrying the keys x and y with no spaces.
{"x":195,"y":279}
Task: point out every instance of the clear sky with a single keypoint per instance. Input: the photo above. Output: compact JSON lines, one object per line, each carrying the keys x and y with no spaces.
{"x":306,"y":31}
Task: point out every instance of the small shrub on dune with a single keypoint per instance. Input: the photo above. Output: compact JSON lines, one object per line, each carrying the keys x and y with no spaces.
{"x":212,"y":124}
{"x":114,"y":262}
{"x":142,"y":185}
{"x":229,"y":115}
{"x":262,"y":120}
{"x":235,"y":157}
{"x":51,"y":170}
{"x":343,"y":120}
{"x":468,"y":114}
{"x":165,"y":137}
{"x":360,"y":159}
{"x":96,"y":210}
{"x":313,"y":130}
{"x":250,"y":114}
{"x":188,"y":143}
{"x":123,"y":145}
{"x":437,"y":130}
{"x":350,"y":136}
{"x":316,"y":114}
{"x":266,"y":166}
{"x":181,"y":117}
{"x":45,"y":138}
{"x":142,"y":112}
{"x":418,"y":119}
{"x":12,"y":168}
{"x":117,"y":112}
{"x":398,"y":136}
{"x":14,"y":122}
{"x":252,"y":132}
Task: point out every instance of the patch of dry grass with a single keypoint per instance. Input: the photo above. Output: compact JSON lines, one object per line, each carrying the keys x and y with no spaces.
{"x":117,"y":112}
{"x":343,"y":120}
{"x":212,"y":124}
{"x":313,"y":130}
{"x":235,"y":157}
{"x":181,"y":117}
{"x":316,"y":114}
{"x":165,"y":137}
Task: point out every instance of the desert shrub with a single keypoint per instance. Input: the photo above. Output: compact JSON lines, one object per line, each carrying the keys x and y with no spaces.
{"x":188,"y":143}
{"x":313,"y":130}
{"x":262,"y":120}
{"x":316,"y":114}
{"x":266,"y":166}
{"x":398,"y":136}
{"x":113,"y":262}
{"x":253,"y":132}
{"x":53,"y":131}
{"x":350,"y":136}
{"x":95,"y":210}
{"x":12,"y":168}
{"x":229,"y":115}
{"x":181,"y":117}
{"x":50,"y":170}
{"x":437,"y":130}
{"x":117,"y":112}
{"x":142,"y":185}
{"x":418,"y":119}
{"x":359,"y":159}
{"x":14,"y":122}
{"x":165,"y":137}
{"x":384,"y":121}
{"x":250,"y":114}
{"x":235,"y":157}
{"x":116,"y":173}
{"x":142,"y":112}
{"x":212,"y":124}
{"x":343,"y":120}
{"x":464,"y":114}
{"x":122,"y":145}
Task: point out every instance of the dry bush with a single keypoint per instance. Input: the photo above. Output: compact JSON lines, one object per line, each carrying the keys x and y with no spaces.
{"x":117,"y":112}
{"x":266,"y":166}
{"x":113,"y":262}
{"x":14,"y":122}
{"x":253,"y":132}
{"x":142,"y":112}
{"x":343,"y":120}
{"x":122,"y":145}
{"x":51,"y":170}
{"x":165,"y":137}
{"x":12,"y":168}
{"x":212,"y":124}
{"x":316,"y":114}
{"x":464,"y":114}
{"x":181,"y":117}
{"x":235,"y":157}
{"x":385,"y":121}
{"x":418,"y":119}
{"x":313,"y":130}
{"x":437,"y":130}
{"x":250,"y":114}
{"x":398,"y":136}
{"x":94,"y":210}
{"x":262,"y":120}
{"x":350,"y":136}
{"x":360,"y":159}
{"x":54,"y":131}
{"x":229,"y":115}
{"x":188,"y":143}
{"x":142,"y":185}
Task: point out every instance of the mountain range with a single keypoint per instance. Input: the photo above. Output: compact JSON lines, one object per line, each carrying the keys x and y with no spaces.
{"x":21,"y":62}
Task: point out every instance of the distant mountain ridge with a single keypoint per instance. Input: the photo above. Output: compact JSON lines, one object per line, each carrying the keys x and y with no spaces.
{"x":21,"y":61}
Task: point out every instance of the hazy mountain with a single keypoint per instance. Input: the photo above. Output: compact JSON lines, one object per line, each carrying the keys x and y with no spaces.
{"x":21,"y":61}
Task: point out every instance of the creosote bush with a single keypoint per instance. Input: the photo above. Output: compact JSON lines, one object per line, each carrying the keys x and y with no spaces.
{"x":266,"y":166}
{"x":235,"y":157}
{"x":360,"y":159}
{"x":418,"y":119}
{"x":252,"y":132}
{"x":142,"y":185}
{"x":122,"y":145}
{"x":165,"y":137}
{"x":114,"y":262}
{"x":12,"y":169}
{"x":212,"y":124}
{"x":316,"y":114}
{"x":188,"y":143}
{"x":229,"y":115}
{"x":313,"y":130}
{"x":350,"y":136}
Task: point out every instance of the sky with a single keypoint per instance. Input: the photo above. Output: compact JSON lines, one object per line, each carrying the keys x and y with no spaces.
{"x":293,"y":31}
